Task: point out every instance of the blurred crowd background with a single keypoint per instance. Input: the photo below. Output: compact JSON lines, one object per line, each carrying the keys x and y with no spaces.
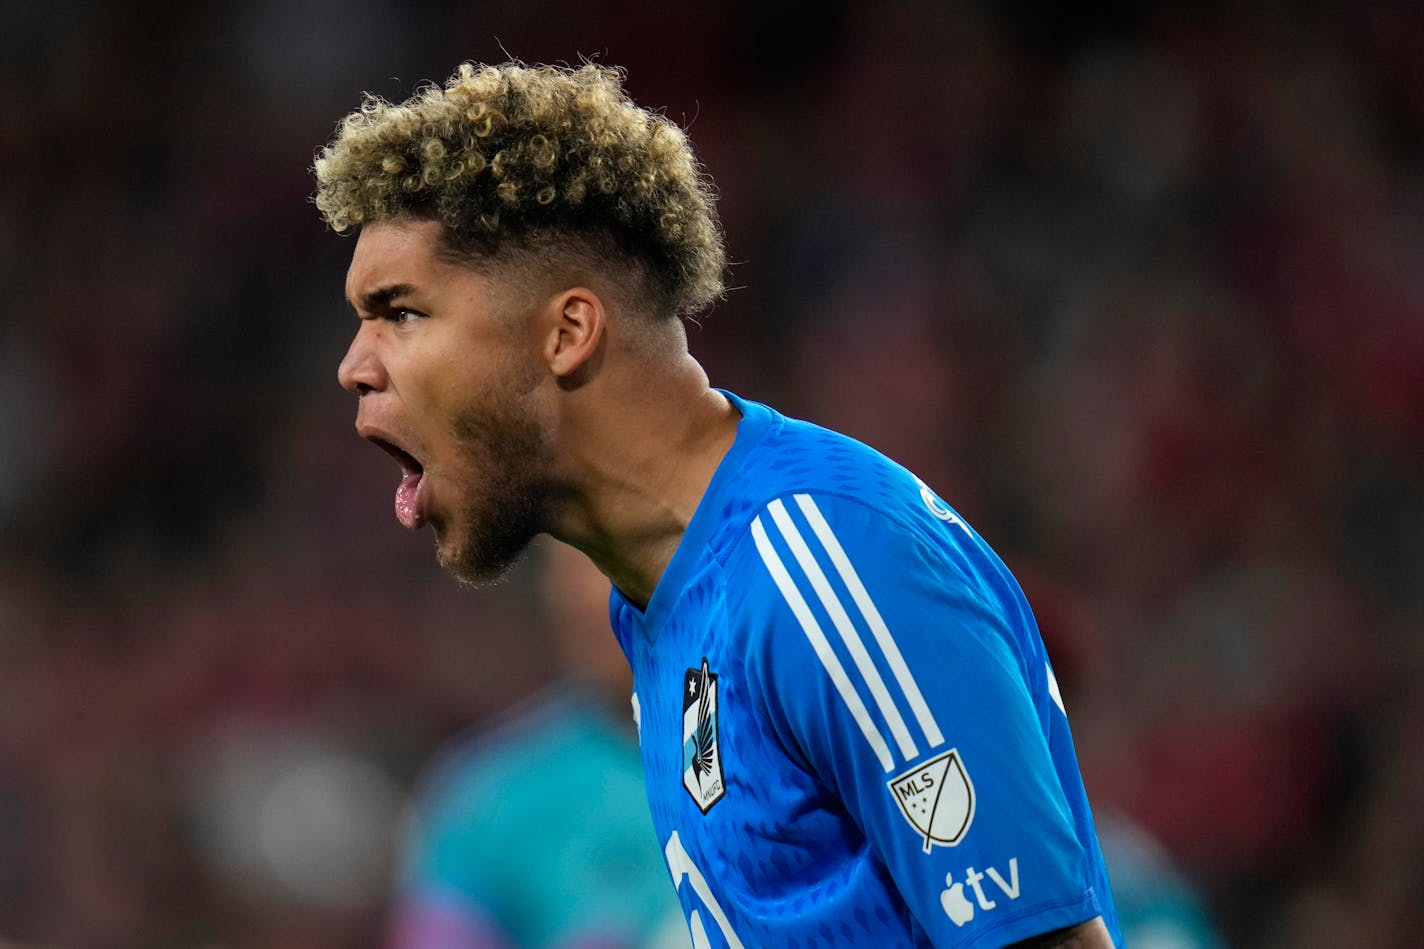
{"x":1139,"y":290}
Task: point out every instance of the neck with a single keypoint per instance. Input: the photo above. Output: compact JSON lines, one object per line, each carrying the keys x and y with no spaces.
{"x":641,"y":460}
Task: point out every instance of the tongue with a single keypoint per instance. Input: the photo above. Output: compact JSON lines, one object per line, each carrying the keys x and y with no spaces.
{"x":408,"y":510}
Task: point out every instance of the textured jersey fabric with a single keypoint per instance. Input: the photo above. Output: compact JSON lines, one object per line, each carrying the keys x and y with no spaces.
{"x":850,"y":729}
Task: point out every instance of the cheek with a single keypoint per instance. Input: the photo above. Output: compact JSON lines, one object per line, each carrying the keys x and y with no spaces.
{"x":432,"y":382}
{"x":445,"y":378}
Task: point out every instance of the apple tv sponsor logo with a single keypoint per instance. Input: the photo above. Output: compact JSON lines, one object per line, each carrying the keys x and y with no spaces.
{"x":960,"y":909}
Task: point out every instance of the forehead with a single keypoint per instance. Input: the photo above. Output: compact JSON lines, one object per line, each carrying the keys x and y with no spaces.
{"x":393,"y":253}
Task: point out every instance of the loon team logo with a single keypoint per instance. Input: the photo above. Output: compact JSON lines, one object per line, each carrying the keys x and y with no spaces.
{"x":701,"y":753}
{"x":937,"y":798}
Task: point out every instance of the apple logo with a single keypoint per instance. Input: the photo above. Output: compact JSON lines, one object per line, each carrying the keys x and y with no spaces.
{"x":959,"y":909}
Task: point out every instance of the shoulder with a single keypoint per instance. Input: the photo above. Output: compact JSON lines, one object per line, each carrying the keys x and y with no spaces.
{"x":816,"y":575}
{"x":892,"y":535}
{"x":796,"y":465}
{"x":826,"y":532}
{"x":794,"y":454}
{"x":835,"y":587}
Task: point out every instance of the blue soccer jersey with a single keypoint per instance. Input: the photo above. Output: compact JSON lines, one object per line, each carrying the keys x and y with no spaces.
{"x":850,"y":730}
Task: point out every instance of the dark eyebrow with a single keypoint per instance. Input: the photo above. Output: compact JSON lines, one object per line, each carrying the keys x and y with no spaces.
{"x":381,"y":297}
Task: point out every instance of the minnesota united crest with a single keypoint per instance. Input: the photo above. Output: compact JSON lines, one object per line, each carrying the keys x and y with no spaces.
{"x":701,"y":754}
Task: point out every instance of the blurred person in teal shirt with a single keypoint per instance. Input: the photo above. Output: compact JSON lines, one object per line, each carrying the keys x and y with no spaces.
{"x":534,"y":832}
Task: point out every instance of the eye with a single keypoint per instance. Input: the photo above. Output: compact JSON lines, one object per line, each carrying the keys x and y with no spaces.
{"x":403,"y":316}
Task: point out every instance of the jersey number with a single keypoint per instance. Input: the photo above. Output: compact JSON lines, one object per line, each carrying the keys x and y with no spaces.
{"x":681,"y":865}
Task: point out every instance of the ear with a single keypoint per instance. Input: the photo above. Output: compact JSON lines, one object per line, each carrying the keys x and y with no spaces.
{"x":575,"y":333}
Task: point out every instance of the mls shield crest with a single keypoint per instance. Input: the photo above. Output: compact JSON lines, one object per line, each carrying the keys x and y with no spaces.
{"x":937,"y":798}
{"x":701,"y":753}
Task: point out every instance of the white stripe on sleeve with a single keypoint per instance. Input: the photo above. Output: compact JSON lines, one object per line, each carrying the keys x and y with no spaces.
{"x":849,"y":634}
{"x":898,"y":667}
{"x":823,"y":650}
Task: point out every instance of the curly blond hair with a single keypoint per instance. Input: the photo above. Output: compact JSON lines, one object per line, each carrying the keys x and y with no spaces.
{"x":522,"y":158}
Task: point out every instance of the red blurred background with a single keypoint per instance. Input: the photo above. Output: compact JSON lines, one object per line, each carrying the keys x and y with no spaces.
{"x":1139,"y":292}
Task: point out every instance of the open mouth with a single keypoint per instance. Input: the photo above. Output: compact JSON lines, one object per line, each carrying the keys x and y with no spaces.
{"x":409,"y":507}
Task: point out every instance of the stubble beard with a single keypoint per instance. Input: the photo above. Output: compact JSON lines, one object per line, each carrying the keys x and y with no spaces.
{"x":505,"y":506}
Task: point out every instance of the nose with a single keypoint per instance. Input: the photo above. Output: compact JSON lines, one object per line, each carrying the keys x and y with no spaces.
{"x":361,"y":370}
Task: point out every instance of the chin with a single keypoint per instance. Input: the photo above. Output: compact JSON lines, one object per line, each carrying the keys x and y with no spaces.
{"x":478,"y":564}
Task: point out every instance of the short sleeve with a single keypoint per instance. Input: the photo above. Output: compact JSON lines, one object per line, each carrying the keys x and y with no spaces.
{"x":894,"y":669}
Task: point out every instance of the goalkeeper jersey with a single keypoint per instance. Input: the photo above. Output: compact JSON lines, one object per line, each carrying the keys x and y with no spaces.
{"x":851,"y":732}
